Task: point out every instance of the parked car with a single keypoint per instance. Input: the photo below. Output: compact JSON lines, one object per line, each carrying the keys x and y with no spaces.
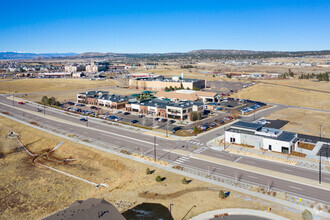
{"x":126,"y":113}
{"x":21,"y":103}
{"x":140,"y":116}
{"x":112,"y":117}
{"x":134,"y":121}
{"x":39,"y":110}
{"x":172,"y":121}
{"x":83,"y":119}
{"x":70,"y":103}
{"x":119,"y":111}
{"x":164,"y":120}
{"x":93,"y":107}
{"x":156,"y":119}
{"x":176,"y":129}
{"x":230,"y":106}
{"x":228,"y":118}
{"x":118,"y":119}
{"x":218,"y":109}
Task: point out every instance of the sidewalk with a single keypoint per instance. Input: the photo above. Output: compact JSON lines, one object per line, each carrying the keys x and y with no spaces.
{"x":258,"y":170}
{"x":306,"y":163}
{"x":242,"y":212}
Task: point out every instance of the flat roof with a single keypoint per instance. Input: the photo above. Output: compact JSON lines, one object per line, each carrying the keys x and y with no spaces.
{"x":247,"y":125}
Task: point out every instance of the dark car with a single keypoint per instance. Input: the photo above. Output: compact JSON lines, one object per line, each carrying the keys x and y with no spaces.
{"x":164,"y":120}
{"x":172,"y":121}
{"x":134,"y":121}
{"x":83,"y":119}
{"x":126,"y":113}
{"x":93,"y":107}
{"x":156,"y":119}
{"x":112,"y":117}
{"x":230,"y":106}
{"x":140,"y":116}
{"x":176,"y":129}
{"x":70,"y":103}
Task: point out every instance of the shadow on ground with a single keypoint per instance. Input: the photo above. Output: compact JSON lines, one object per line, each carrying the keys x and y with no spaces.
{"x":148,"y":211}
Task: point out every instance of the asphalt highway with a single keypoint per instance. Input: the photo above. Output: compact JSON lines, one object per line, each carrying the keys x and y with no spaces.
{"x":127,"y":139}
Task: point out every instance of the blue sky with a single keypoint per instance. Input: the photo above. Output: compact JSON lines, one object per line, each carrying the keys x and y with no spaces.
{"x":163,"y":26}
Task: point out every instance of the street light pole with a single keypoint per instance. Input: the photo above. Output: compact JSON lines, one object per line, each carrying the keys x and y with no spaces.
{"x":155,"y":148}
{"x":320,"y":165}
{"x":13,"y":99}
{"x":188,"y":212}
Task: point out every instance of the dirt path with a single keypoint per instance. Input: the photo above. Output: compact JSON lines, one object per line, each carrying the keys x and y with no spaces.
{"x":150,"y":195}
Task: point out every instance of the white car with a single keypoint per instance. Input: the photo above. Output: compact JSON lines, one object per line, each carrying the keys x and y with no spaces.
{"x":119,"y":111}
{"x":118,"y":119}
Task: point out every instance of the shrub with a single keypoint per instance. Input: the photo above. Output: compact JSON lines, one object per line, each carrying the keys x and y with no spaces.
{"x":148,"y":171}
{"x":184,"y":181}
{"x":158,"y":179}
{"x":222,"y":194}
{"x":306,"y":215}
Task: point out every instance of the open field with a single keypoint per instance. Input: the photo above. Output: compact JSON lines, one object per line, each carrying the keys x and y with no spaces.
{"x":42,"y":85}
{"x":29,"y":191}
{"x":65,"y":96}
{"x":304,"y":121}
{"x":285,"y":95}
{"x":303,"y":83}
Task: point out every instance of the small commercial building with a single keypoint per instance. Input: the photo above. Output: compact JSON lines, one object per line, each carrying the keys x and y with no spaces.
{"x":114,"y":101}
{"x":90,"y":97}
{"x":260,"y":137}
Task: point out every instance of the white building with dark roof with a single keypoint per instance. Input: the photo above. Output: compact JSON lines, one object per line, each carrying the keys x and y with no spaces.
{"x":260,"y":137}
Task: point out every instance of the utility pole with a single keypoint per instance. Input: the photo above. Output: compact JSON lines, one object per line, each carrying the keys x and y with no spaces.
{"x":320,"y":165}
{"x":167,"y":128}
{"x":171,"y":209}
{"x":86,"y":120}
{"x":155,"y":148}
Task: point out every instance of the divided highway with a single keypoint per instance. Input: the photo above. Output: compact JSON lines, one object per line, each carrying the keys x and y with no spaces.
{"x":138,"y":142}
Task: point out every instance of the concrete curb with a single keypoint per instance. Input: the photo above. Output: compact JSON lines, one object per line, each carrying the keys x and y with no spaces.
{"x":250,"y":212}
{"x":170,"y":169}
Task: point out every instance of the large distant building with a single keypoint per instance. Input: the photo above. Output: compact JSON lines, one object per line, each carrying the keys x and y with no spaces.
{"x":188,"y":95}
{"x":74,"y":68}
{"x":160,"y":83}
{"x":97,"y":67}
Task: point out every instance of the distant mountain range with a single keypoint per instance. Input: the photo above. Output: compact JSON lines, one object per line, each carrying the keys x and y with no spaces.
{"x":19,"y":55}
{"x":195,"y":54}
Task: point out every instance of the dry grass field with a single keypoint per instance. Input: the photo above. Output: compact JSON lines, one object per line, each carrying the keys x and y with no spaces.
{"x":29,"y":191}
{"x":304,"y":121}
{"x":43,"y":85}
{"x":286,"y":95}
{"x":303,"y":83}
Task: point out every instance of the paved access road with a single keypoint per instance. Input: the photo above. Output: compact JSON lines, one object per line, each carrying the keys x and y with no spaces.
{"x":138,"y":142}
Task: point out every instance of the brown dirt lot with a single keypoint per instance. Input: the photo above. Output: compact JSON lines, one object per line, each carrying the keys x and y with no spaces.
{"x":29,"y":191}
{"x":304,"y":121}
{"x":44,"y":85}
{"x":285,"y":95}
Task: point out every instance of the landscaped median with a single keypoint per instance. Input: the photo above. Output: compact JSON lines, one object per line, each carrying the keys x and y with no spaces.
{"x":258,"y":170}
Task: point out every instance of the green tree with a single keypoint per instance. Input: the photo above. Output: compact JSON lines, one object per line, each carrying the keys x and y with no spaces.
{"x":44,"y":100}
{"x":184,"y":180}
{"x":306,"y":215}
{"x":222,"y":194}
{"x":57,"y":103}
{"x":171,"y":88}
{"x":158,"y":179}
{"x":195,"y":130}
{"x":167,"y":89}
{"x":229,"y":75}
{"x":290,"y":73}
{"x":148,"y":171}
{"x":51,"y":101}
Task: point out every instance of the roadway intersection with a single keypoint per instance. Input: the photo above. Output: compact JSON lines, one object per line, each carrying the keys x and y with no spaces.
{"x":138,"y":142}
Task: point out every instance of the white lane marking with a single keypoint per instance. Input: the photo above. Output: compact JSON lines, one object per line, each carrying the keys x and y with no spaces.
{"x":253,"y":177}
{"x":125,"y":138}
{"x":238,"y":159}
{"x":286,"y":169}
{"x":250,"y":161}
{"x":293,"y":187}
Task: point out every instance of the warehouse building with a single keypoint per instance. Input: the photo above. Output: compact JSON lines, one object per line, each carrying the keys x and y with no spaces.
{"x":260,"y":137}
